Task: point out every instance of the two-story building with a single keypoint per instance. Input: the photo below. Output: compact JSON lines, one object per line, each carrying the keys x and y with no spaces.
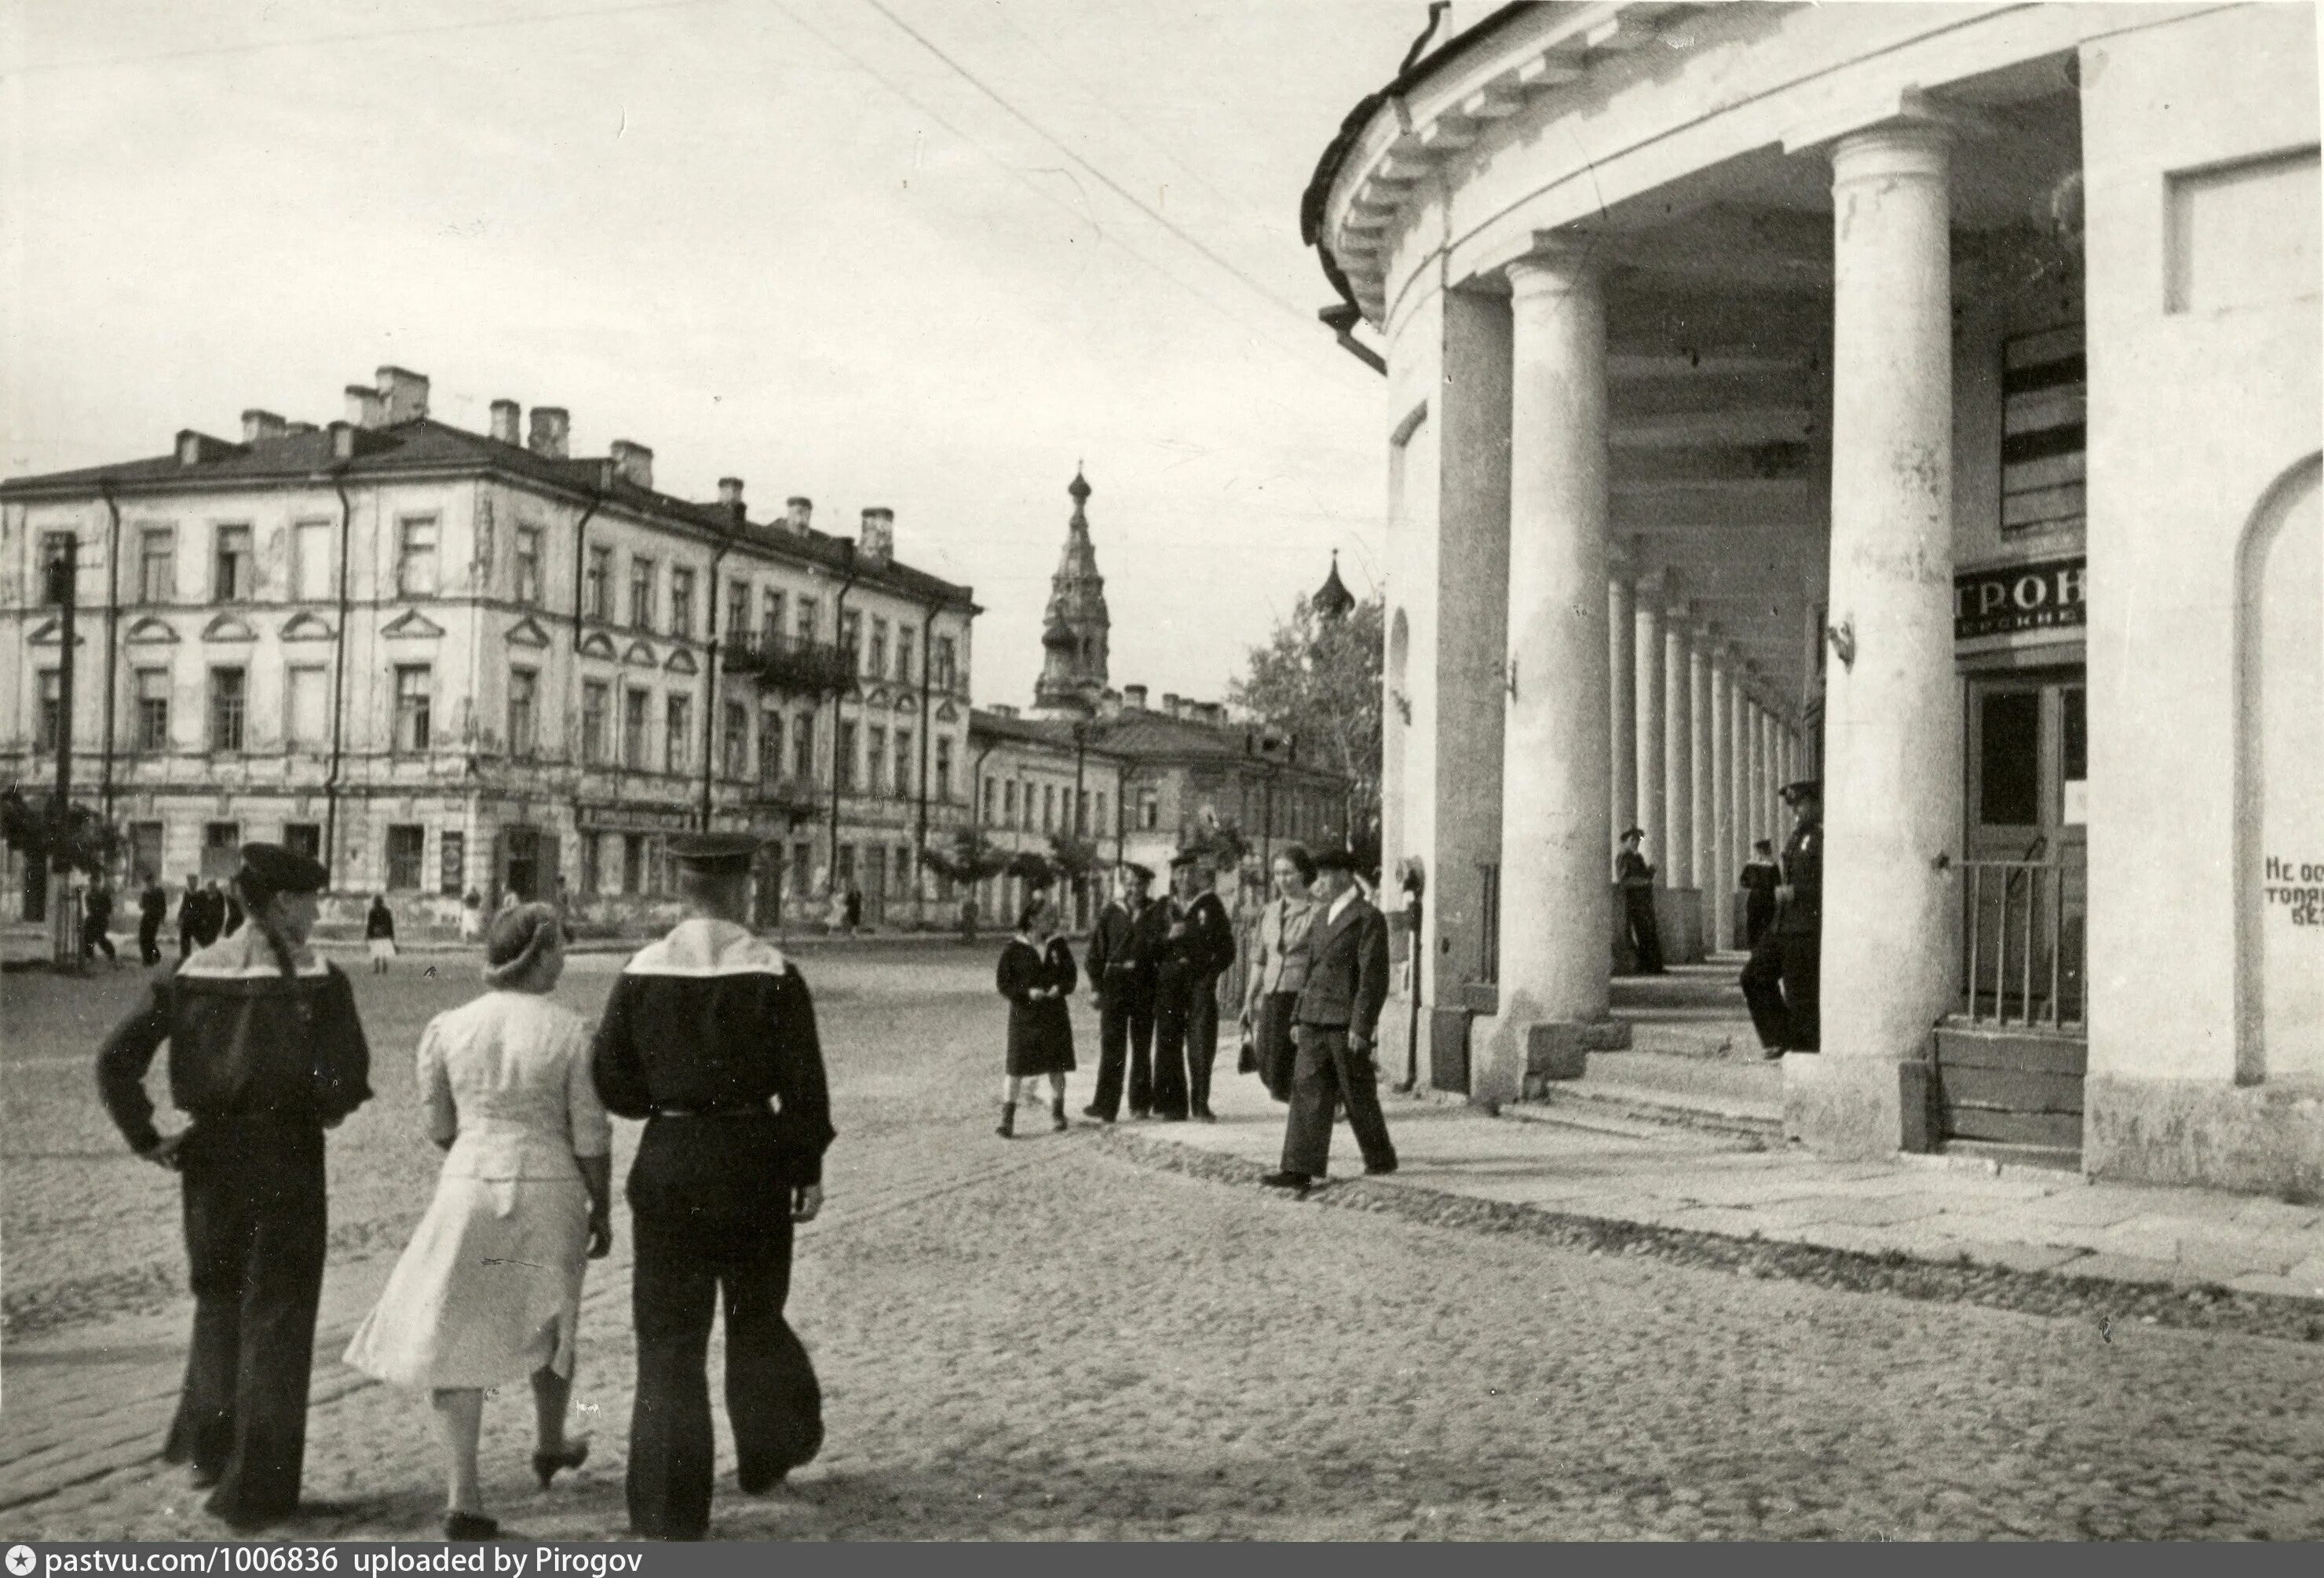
{"x":446,"y":662}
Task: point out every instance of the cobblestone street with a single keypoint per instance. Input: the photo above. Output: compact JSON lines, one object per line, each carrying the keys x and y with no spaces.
{"x":1044,"y":1338}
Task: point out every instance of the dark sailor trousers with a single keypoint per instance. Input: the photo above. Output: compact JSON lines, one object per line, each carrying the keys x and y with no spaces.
{"x":1125,"y":1034}
{"x":711,"y":1228}
{"x":1185,"y":1041}
{"x":256,"y":1227}
{"x":1781,"y":985}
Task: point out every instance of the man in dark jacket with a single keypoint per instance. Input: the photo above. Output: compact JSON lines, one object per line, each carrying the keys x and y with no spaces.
{"x":265,"y":1052}
{"x":1124,"y":951}
{"x":710,"y":1036}
{"x":152,"y":910}
{"x":1339,"y":1022}
{"x":1782,"y":981}
{"x":97,"y":922}
{"x":196,"y":929}
{"x":1198,"y":941}
{"x":1635,"y":874}
{"x":1759,"y":879}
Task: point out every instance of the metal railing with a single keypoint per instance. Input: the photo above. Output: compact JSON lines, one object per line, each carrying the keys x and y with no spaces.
{"x":784,"y":662}
{"x":2022,"y":944}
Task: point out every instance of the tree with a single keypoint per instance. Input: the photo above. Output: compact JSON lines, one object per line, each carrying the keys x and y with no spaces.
{"x":1073,"y":859}
{"x":1317,"y":680}
{"x":32,"y":827}
{"x":970,"y":857}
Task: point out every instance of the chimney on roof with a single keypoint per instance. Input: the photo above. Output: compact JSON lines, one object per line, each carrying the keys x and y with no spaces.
{"x":1171,"y":703}
{"x":551,"y":426}
{"x":798,"y":512}
{"x":876,"y":542}
{"x":295,"y":429}
{"x":404,"y":392}
{"x":343,"y":440}
{"x":1133,"y":698}
{"x":190,"y":448}
{"x":634,"y":462}
{"x":607,"y":473}
{"x":262,"y":424}
{"x":505,"y":414}
{"x":365,"y":407}
{"x":1001,"y":709}
{"x":730,"y":495}
{"x":1109,"y":703}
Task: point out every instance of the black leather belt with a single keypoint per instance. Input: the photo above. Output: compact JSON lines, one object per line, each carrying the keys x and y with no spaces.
{"x":741,"y":1110}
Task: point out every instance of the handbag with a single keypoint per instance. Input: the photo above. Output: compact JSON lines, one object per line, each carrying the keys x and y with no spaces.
{"x":1247,"y":1061}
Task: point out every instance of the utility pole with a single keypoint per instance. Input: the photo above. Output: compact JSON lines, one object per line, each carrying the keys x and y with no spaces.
{"x":63,"y":574}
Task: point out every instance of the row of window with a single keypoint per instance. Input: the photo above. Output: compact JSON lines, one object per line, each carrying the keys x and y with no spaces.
{"x":1010,"y":804}
{"x":233,"y":579}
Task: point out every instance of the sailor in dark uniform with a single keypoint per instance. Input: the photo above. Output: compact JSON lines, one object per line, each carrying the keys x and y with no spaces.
{"x":1125,"y":948}
{"x":1781,"y":983}
{"x":1198,"y":943}
{"x":265,"y":1052}
{"x":710,"y":1035}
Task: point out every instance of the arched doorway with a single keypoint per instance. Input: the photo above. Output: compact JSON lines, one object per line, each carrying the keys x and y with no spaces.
{"x":2279,"y":817}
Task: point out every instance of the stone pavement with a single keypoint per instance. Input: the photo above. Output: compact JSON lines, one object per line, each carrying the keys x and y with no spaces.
{"x":1570,"y":1161}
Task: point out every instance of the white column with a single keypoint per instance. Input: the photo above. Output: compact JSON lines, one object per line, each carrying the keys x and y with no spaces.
{"x":1678,"y":749}
{"x":1724,"y":864}
{"x":1703,"y":818}
{"x":1621,"y":699}
{"x":1893,"y":789}
{"x":1738,"y":756}
{"x":1651,"y":813}
{"x":1555,"y":899}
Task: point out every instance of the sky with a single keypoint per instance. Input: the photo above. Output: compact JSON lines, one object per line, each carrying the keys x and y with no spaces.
{"x":924,"y":254}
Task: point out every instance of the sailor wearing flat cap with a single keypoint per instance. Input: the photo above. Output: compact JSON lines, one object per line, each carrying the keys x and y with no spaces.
{"x":1198,"y":943}
{"x":709,"y":1036}
{"x":1124,"y":952}
{"x":1635,"y":875}
{"x":1781,"y":983}
{"x":265,"y":1052}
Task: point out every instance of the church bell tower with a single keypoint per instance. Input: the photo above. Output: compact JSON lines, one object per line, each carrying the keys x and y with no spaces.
{"x":1074,"y":625}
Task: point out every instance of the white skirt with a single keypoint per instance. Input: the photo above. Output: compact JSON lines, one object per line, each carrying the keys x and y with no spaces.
{"x":383,"y":947}
{"x":487,"y":1292}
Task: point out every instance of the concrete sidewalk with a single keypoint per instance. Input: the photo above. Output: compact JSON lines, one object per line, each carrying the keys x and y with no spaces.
{"x":1932,"y":1209}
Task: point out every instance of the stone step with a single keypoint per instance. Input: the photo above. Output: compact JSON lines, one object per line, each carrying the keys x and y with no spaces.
{"x":1645,"y":1110}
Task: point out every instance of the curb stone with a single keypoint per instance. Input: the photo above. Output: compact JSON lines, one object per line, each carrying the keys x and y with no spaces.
{"x":1960,"y":1279}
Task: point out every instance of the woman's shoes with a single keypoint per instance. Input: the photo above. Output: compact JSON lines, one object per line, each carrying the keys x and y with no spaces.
{"x":470,"y":1525}
{"x":1058,"y":1115}
{"x":1007,"y":1130}
{"x":545,"y":1464}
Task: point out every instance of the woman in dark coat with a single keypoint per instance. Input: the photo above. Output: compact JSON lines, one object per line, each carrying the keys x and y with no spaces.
{"x":1036,"y":975}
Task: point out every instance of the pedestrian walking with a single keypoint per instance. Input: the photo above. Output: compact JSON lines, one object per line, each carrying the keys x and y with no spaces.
{"x":1198,"y":943}
{"x":854,"y":908}
{"x":379,"y":933}
{"x":472,"y":917}
{"x":1782,"y":983}
{"x":198,"y":925}
{"x":266,"y":1054}
{"x":1338,"y":1014}
{"x":710,"y":1036}
{"x":1279,"y":969}
{"x":488,"y":1291}
{"x":1037,"y":974}
{"x":225,"y":904}
{"x":1759,"y":879}
{"x":1124,"y":948}
{"x":1635,"y":877}
{"x":834,"y":914}
{"x":152,"y":910}
{"x":97,"y":922}
{"x":968,"y":920}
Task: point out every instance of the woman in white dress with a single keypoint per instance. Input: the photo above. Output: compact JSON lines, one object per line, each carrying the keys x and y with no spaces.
{"x":489,"y":1289}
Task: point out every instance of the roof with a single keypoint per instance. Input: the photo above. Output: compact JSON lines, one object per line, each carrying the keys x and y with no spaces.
{"x":425,"y":444}
{"x":1416,"y":65}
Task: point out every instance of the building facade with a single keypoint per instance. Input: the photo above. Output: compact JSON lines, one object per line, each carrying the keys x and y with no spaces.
{"x":446,"y":662}
{"x":1922,"y":396}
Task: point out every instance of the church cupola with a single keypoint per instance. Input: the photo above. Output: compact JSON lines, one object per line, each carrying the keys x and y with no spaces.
{"x":1074,"y":626}
{"x":1333,"y":599}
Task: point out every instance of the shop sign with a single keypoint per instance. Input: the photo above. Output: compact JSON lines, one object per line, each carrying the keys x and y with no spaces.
{"x":633,"y":820}
{"x":2008,"y":599}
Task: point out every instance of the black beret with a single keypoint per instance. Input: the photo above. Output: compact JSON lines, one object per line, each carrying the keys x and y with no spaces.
{"x":282,"y":871}
{"x":1132,"y":869}
{"x":1335,"y":860}
{"x":1634,"y":833}
{"x":1186,"y":857}
{"x":1805,"y":786}
{"x":713,"y":851}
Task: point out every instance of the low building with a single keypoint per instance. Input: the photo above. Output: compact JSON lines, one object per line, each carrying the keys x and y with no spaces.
{"x":444,"y":662}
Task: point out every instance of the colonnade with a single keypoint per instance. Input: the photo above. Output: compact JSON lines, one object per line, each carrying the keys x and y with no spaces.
{"x":1619,"y":702}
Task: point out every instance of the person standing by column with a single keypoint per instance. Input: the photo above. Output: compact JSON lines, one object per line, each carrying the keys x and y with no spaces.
{"x":1123,"y":951}
{"x":379,"y":932}
{"x":1279,"y":968}
{"x":710,"y":1036}
{"x":1339,"y":1021}
{"x":1635,"y":877}
{"x":1781,"y":983}
{"x":152,"y":910}
{"x":1759,"y":879}
{"x":1197,"y":944}
{"x":266,"y":1054}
